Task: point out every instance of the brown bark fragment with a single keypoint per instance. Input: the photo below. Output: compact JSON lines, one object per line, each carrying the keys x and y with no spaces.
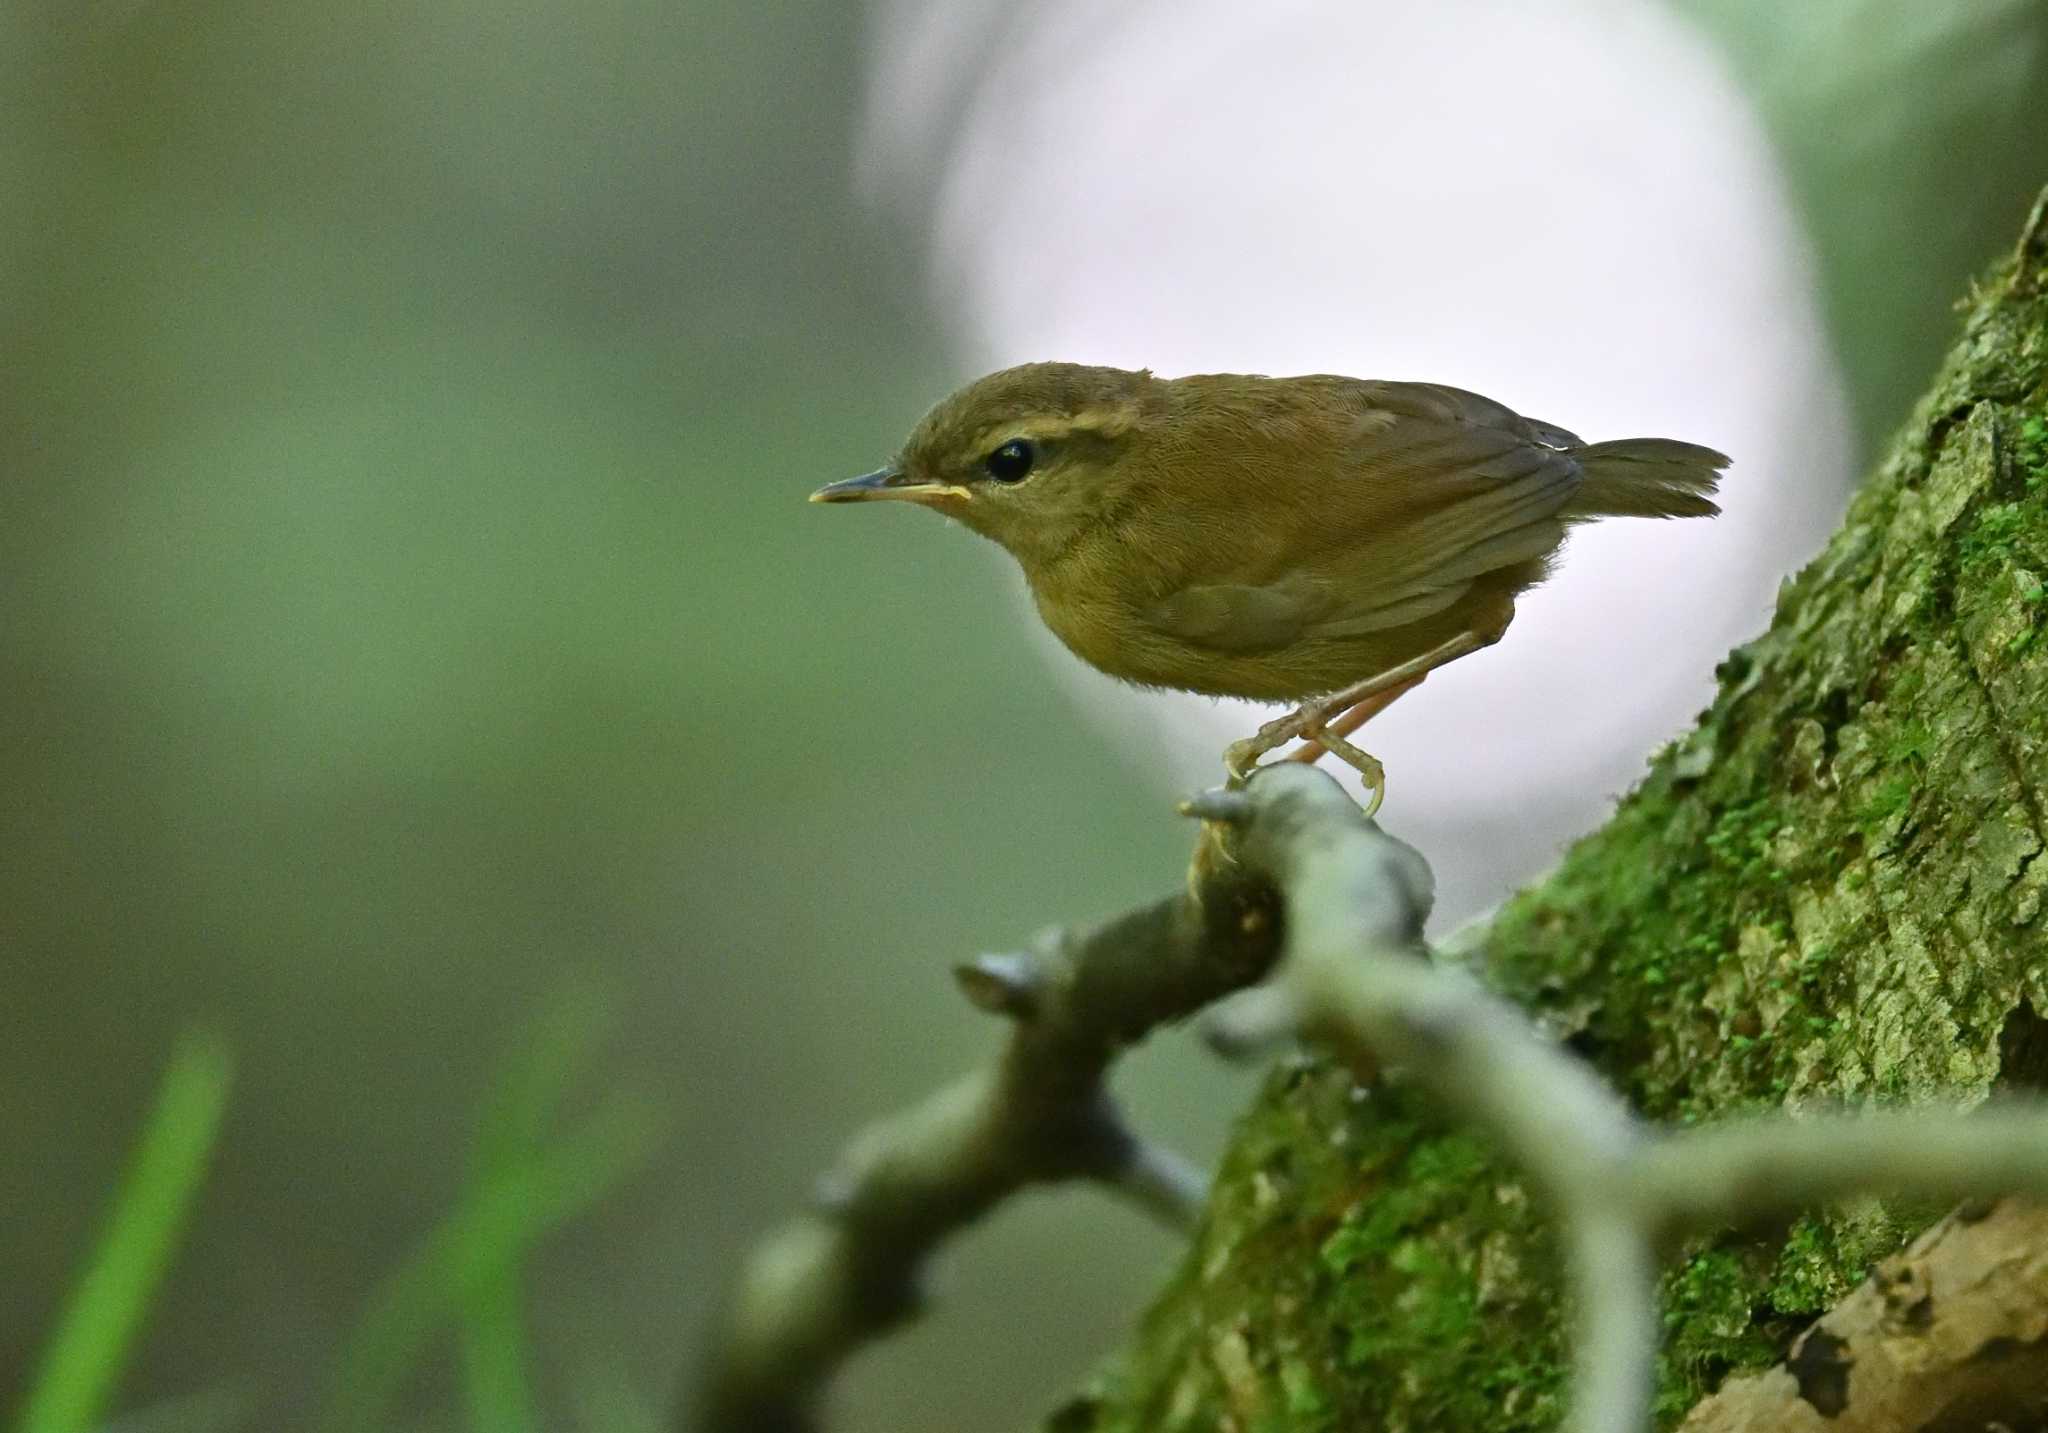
{"x":1950,"y":1335}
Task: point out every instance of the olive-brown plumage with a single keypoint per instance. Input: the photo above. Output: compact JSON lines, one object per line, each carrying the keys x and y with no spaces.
{"x":1280,"y":538}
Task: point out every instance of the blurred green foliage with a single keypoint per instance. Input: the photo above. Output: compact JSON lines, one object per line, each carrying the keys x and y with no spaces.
{"x":465,"y":1273}
{"x":1913,"y":138}
{"x":407,"y":604}
{"x":410,"y":602}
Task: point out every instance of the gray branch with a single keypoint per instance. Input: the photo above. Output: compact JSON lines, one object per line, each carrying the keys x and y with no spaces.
{"x":847,"y":1271}
{"x":1290,"y":853}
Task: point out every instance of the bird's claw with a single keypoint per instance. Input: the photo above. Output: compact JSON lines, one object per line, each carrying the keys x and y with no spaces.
{"x":1240,"y":760}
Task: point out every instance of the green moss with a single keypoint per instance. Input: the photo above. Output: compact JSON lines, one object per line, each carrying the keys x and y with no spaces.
{"x":1819,"y":1263}
{"x":1333,"y":1214}
{"x":1472,"y":1339}
{"x":1998,"y":528}
{"x":1307,"y":1407}
{"x":1429,"y":1172}
{"x":1712,"y":1323}
{"x":2031,"y":454}
{"x":1892,"y":796}
{"x":1911,"y":744}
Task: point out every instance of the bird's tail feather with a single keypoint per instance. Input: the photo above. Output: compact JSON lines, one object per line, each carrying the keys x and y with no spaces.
{"x":1646,"y":477}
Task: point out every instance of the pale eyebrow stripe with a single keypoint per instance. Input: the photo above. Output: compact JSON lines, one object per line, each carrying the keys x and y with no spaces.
{"x":1088,"y":420}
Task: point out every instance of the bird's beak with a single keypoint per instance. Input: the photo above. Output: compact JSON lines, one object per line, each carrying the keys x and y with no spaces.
{"x":886,"y":483}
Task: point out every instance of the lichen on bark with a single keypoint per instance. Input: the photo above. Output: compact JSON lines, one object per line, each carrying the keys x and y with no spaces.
{"x":1830,"y":892}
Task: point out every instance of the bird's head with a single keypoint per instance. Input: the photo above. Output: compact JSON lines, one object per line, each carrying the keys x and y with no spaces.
{"x":1033,"y":457}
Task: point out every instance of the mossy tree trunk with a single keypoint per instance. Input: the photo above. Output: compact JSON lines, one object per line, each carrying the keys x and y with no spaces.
{"x":1830,"y":891}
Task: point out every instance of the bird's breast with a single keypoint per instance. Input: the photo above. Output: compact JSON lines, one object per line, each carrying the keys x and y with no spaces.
{"x":1115,"y":638}
{"x":1102,"y":632}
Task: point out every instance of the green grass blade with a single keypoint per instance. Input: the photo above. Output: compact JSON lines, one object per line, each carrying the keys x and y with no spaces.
{"x":524,"y":1101}
{"x":528,"y":1093}
{"x":494,"y":1224}
{"x":85,"y":1358}
{"x":495,"y":1385}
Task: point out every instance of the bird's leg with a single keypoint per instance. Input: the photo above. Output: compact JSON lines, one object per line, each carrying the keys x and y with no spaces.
{"x":1313,"y":717}
{"x":1313,"y":749}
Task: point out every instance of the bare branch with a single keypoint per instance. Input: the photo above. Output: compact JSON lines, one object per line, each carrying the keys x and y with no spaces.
{"x":1161,"y":1183}
{"x":1734,"y":1173}
{"x":1006,"y":984}
{"x":847,"y":1271}
{"x":1614,"y":1286}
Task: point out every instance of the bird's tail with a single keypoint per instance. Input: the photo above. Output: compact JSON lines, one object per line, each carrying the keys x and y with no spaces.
{"x":1646,"y":477}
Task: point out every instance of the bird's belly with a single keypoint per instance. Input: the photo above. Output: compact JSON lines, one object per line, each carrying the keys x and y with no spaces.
{"x":1117,"y":640}
{"x":1120,"y":643}
{"x":1308,"y":668}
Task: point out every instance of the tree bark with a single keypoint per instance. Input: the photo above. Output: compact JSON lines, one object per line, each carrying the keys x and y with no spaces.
{"x":1829,"y":892}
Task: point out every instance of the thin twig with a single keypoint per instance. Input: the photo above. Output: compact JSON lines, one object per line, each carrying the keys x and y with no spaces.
{"x":1755,"y":1169}
{"x":1614,"y":1287}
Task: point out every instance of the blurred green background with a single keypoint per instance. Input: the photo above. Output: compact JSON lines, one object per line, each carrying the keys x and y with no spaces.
{"x":424,"y":678}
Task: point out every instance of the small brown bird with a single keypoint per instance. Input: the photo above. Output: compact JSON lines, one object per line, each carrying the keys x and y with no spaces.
{"x":1321,"y":540}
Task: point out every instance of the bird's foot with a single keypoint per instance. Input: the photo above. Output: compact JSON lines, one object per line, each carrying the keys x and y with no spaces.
{"x":1241,"y":758}
{"x":1307,"y":723}
{"x":1367,"y":765}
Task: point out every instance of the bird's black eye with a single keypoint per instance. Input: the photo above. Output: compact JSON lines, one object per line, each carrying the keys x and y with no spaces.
{"x":1012,"y":462}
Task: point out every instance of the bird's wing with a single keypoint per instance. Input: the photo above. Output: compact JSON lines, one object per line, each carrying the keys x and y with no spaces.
{"x":1394,"y":498}
{"x":1246,"y":620}
{"x":1240,"y":617}
{"x":1449,"y":486}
